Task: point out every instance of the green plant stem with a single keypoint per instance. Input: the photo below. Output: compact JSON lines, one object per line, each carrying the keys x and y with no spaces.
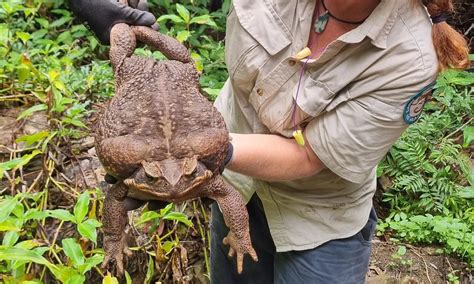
{"x":52,"y":250}
{"x":30,"y":188}
{"x":13,"y":151}
{"x":459,"y":129}
{"x":43,"y":271}
{"x":203,"y":235}
{"x":57,"y":233}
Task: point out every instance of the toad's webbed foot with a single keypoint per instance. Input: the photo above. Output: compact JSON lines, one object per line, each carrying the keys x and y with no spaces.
{"x":240,"y":247}
{"x":114,"y":250}
{"x":236,"y":218}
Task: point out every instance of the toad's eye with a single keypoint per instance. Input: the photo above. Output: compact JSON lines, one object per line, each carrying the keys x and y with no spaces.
{"x":149,"y":177}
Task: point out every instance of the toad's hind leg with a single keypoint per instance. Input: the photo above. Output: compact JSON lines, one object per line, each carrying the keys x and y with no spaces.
{"x":115,"y":223}
{"x":236,"y":218}
{"x":169,"y":46}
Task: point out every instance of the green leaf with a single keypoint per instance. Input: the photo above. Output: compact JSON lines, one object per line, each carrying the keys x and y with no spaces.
{"x":90,"y":263}
{"x":76,"y":279}
{"x":62,"y":215}
{"x":73,"y":251}
{"x":164,"y":211}
{"x":74,"y":122}
{"x":29,"y":244}
{"x":33,"y":138}
{"x":23,"y":255}
{"x":197,"y":61}
{"x":65,"y":37}
{"x":17,"y":163}
{"x":182,"y":36}
{"x":454,"y":244}
{"x":203,"y":20}
{"x":428,"y":167}
{"x":93,"y":42}
{"x":61,"y":21}
{"x":39,"y":34}
{"x":53,"y":75}
{"x":31,"y":110}
{"x":40,"y":250}
{"x":88,"y":230}
{"x":128,"y":279}
{"x":213,"y":93}
{"x":23,"y":73}
{"x":10,"y":238}
{"x":59,"y":100}
{"x":173,"y":18}
{"x":34,"y":214}
{"x":11,"y":224}
{"x":148,"y":216}
{"x":23,"y":36}
{"x":467,"y":192}
{"x":94,"y":222}
{"x":8,"y":8}
{"x":65,"y":273}
{"x":43,"y":22}
{"x":168,"y":246}
{"x":6,"y":207}
{"x":109,"y":279}
{"x":180,"y":217}
{"x":468,"y":134}
{"x":4,"y":35}
{"x":183,"y":12}
{"x":402,"y":250}
{"x":150,"y":270}
{"x":81,"y":207}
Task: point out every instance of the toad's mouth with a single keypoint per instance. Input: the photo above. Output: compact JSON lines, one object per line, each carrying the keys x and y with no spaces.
{"x":171,"y":194}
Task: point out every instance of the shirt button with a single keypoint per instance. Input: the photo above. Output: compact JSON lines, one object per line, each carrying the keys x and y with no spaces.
{"x":259,"y":92}
{"x":291,"y":62}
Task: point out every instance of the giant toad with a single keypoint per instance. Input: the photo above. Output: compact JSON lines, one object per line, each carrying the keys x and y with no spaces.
{"x":162,"y":140}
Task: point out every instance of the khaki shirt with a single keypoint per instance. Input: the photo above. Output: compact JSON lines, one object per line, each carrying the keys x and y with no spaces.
{"x":350,"y":106}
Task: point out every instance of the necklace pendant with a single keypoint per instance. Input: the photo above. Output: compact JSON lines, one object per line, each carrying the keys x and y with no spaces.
{"x":321,"y":22}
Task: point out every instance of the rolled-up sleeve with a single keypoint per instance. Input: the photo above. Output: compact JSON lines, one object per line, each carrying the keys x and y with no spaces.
{"x":353,"y":137}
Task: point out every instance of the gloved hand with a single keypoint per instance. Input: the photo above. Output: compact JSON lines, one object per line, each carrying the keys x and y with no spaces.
{"x":102,"y":15}
{"x":228,"y":157}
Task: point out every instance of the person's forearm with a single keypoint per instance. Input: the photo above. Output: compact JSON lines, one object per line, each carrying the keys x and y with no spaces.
{"x":272,"y":157}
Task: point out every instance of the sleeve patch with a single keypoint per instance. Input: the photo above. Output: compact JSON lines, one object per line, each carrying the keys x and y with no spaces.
{"x":414,"y":107}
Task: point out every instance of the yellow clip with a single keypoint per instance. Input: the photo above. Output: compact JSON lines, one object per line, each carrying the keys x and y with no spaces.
{"x":298,"y":134}
{"x":303,"y":53}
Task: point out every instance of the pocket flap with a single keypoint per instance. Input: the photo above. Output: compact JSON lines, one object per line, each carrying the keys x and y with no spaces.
{"x":261,"y":21}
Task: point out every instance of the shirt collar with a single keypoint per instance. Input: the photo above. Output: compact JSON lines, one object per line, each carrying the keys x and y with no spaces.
{"x":377,"y":26}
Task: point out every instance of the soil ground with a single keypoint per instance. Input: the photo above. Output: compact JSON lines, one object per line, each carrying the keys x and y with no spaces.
{"x":420,"y":264}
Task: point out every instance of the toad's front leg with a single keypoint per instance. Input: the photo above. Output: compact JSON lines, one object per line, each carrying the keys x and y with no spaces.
{"x":236,"y":218}
{"x":115,"y":222}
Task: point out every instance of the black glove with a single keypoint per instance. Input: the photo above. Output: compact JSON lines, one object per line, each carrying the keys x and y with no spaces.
{"x":228,"y":157}
{"x":102,"y":15}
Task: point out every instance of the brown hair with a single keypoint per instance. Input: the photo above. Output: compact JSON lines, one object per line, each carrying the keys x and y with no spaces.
{"x":451,"y":47}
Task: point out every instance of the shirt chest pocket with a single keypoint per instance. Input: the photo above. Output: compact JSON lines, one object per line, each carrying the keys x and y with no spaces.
{"x":287,"y":109}
{"x":254,"y":34}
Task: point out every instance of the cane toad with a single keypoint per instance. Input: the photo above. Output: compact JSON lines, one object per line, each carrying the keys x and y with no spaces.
{"x":162,"y":140}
